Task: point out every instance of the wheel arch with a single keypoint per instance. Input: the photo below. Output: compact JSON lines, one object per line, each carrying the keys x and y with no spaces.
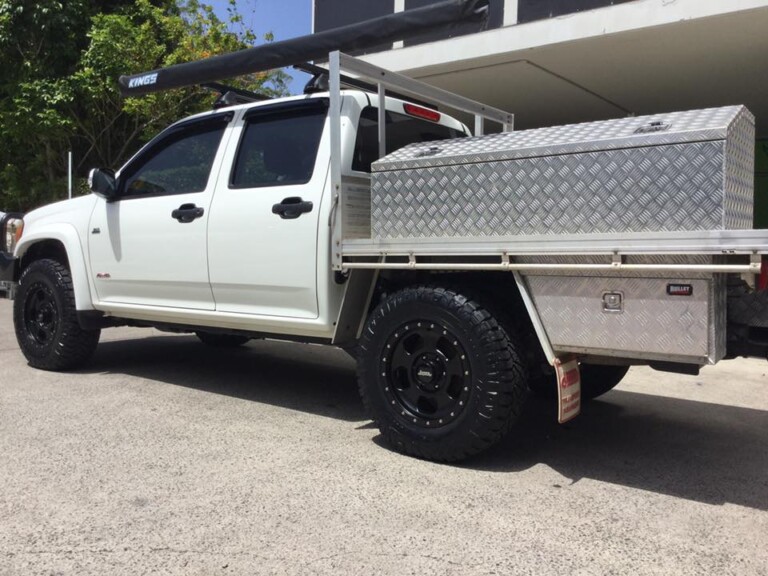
{"x":505,"y":290}
{"x":60,"y":243}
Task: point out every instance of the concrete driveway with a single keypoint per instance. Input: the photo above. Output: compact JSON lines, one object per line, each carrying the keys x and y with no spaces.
{"x":168,"y":457}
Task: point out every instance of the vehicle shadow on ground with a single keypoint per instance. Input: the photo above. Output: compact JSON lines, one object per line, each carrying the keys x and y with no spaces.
{"x":314,"y":379}
{"x":709,"y":453}
{"x":703,"y":452}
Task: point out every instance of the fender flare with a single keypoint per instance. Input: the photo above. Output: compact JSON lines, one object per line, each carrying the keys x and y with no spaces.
{"x":67,"y":236}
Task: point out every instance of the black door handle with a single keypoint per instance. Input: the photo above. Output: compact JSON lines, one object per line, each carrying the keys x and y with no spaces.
{"x":292,"y":207}
{"x":187,"y":212}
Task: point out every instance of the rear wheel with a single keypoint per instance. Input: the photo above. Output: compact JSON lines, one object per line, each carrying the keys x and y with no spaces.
{"x":45,"y":318}
{"x":221,"y":340}
{"x":596,"y":380}
{"x":442,"y":379}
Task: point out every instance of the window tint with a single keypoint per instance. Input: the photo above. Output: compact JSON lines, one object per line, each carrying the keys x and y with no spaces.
{"x":179,"y":163}
{"x":279,"y":147}
{"x":401,"y":130}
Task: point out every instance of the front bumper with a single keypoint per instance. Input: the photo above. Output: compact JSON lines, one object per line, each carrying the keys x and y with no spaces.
{"x":9,"y":274}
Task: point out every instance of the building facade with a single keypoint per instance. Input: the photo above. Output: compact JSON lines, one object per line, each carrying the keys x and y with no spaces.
{"x":562,"y":61}
{"x":556,"y":61}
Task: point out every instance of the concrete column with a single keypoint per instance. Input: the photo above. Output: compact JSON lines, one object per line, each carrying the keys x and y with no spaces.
{"x":510,"y":12}
{"x":399,"y":7}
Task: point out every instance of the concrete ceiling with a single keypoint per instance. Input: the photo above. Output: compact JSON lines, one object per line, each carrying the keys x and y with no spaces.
{"x":714,"y":61}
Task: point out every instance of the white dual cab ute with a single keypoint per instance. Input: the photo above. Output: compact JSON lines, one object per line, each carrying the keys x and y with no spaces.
{"x":461,"y":272}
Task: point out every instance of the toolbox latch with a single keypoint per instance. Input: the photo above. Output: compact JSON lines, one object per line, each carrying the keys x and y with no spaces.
{"x":655,"y":126}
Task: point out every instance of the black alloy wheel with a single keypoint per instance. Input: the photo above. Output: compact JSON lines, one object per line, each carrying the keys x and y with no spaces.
{"x":45,"y":318}
{"x":440,"y":376}
{"x":41,"y":315}
{"x":426,"y":373}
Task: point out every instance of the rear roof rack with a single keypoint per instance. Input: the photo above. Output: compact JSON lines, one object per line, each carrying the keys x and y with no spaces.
{"x":319,"y":83}
{"x":231,"y":96}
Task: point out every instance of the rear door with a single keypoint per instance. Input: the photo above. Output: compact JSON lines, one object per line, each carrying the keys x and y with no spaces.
{"x":262,"y":246}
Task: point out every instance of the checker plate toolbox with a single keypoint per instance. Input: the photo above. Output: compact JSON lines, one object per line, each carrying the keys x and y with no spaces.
{"x":670,"y":172}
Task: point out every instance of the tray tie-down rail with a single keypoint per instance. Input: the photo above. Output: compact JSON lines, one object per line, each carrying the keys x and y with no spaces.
{"x":736,"y":252}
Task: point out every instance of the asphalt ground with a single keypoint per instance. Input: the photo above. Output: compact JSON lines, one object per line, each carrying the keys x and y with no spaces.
{"x":168,"y":457}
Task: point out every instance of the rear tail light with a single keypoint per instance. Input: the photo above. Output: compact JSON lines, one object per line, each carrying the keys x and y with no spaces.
{"x":762,"y":280}
{"x":420,"y":112}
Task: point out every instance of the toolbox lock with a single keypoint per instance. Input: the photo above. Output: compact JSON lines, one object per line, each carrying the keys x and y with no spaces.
{"x":655,"y":126}
{"x":613,"y":302}
{"x":431,"y":151}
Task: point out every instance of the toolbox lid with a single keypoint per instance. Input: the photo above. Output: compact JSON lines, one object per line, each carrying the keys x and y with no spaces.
{"x":632,"y":132}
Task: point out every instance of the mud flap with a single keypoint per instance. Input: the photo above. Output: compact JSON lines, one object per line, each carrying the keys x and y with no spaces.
{"x":568,"y":388}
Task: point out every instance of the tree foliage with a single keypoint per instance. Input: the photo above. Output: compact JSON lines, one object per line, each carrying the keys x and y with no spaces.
{"x":59,"y":65}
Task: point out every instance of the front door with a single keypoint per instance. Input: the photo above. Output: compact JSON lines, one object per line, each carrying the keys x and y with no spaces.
{"x":148,"y":247}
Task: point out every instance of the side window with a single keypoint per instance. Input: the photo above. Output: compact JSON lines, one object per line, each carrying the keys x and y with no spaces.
{"x":401,"y":131}
{"x":179,"y":163}
{"x":279,"y":147}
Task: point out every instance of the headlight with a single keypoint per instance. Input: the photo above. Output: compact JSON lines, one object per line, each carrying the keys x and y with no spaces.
{"x":13,"y":231}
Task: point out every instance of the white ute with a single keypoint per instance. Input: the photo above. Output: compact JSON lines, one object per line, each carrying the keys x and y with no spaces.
{"x":461,"y":272}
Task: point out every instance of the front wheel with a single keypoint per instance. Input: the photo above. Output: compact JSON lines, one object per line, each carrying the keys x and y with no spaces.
{"x":442,"y":379}
{"x":45,"y":318}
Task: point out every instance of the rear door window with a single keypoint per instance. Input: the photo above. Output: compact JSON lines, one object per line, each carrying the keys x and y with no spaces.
{"x":279,"y":147}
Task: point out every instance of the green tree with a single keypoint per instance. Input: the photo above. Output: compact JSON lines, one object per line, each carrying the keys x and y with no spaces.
{"x":60,"y":63}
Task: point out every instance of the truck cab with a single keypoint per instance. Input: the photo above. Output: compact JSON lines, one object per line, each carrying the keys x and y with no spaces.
{"x":223,"y":218}
{"x":222,"y":221}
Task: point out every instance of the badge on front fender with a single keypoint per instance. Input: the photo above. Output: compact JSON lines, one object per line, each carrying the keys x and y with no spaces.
{"x":568,"y":388}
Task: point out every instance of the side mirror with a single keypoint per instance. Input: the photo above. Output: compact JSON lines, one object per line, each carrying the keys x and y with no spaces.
{"x":102,"y":182}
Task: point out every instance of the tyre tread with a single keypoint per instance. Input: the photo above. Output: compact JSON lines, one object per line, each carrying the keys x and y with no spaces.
{"x":75,"y":346}
{"x":502,"y":357}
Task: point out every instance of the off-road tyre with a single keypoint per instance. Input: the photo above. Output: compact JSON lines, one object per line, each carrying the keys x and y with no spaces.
{"x":45,"y":319}
{"x":221,"y":340}
{"x":439,"y":375}
{"x":596,"y":380}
